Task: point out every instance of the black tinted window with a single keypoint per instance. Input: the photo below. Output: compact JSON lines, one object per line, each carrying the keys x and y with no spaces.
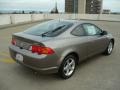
{"x":50,"y":28}
{"x":91,"y":29}
{"x":78,"y":31}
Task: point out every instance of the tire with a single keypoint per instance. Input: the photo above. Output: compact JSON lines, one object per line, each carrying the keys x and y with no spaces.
{"x":67,"y":67}
{"x":109,"y":49}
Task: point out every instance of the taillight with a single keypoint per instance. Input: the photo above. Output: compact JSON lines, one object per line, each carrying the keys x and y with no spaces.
{"x":13,"y":42}
{"x":41,"y":50}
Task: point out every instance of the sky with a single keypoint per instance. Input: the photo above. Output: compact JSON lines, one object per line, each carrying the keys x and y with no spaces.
{"x":47,"y":5}
{"x":40,"y":5}
{"x":114,"y":5}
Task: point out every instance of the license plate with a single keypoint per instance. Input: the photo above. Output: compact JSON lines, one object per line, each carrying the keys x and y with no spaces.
{"x":19,"y":57}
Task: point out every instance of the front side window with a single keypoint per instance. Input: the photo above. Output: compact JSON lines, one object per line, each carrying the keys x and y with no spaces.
{"x":91,"y":29}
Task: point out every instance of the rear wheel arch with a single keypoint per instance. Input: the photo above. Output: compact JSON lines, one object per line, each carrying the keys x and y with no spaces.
{"x":71,"y":53}
{"x":76,"y":55}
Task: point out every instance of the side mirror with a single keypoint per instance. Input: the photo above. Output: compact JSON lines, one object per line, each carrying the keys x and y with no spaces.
{"x":104,"y":33}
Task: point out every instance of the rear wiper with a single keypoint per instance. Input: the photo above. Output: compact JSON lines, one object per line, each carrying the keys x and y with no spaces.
{"x":59,"y":28}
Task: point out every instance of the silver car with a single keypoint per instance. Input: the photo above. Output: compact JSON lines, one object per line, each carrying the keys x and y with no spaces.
{"x":57,"y":46}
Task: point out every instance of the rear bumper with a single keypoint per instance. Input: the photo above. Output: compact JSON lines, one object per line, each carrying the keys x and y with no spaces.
{"x":41,"y":70}
{"x":41,"y":63}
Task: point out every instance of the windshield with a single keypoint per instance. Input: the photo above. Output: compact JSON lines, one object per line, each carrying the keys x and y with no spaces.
{"x":50,"y":28}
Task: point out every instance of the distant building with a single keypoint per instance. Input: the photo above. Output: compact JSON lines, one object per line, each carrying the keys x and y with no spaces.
{"x":106,"y":11}
{"x":83,"y":6}
{"x":23,"y":12}
{"x":93,"y":6}
{"x":71,"y":6}
{"x":117,"y":13}
{"x":55,"y":9}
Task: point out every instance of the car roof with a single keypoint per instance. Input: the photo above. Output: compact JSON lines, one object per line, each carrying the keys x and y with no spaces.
{"x":72,"y":21}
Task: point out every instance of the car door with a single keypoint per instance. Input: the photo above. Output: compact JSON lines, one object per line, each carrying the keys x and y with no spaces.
{"x":96,"y":42}
{"x":81,"y":41}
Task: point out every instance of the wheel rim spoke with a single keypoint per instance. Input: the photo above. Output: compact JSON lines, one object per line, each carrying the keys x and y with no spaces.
{"x":110,"y":47}
{"x":67,"y":72}
{"x":71,"y":63}
{"x":66,"y":67}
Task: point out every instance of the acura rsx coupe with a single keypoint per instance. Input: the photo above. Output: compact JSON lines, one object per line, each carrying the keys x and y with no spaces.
{"x":57,"y":46}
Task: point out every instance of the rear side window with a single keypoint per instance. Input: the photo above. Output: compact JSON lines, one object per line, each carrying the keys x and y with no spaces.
{"x":78,"y":31}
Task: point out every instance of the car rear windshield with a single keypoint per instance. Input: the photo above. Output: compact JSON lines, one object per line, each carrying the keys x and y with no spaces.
{"x":49,"y":28}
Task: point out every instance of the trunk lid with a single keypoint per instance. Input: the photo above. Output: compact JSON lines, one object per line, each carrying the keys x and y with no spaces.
{"x":24,"y":41}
